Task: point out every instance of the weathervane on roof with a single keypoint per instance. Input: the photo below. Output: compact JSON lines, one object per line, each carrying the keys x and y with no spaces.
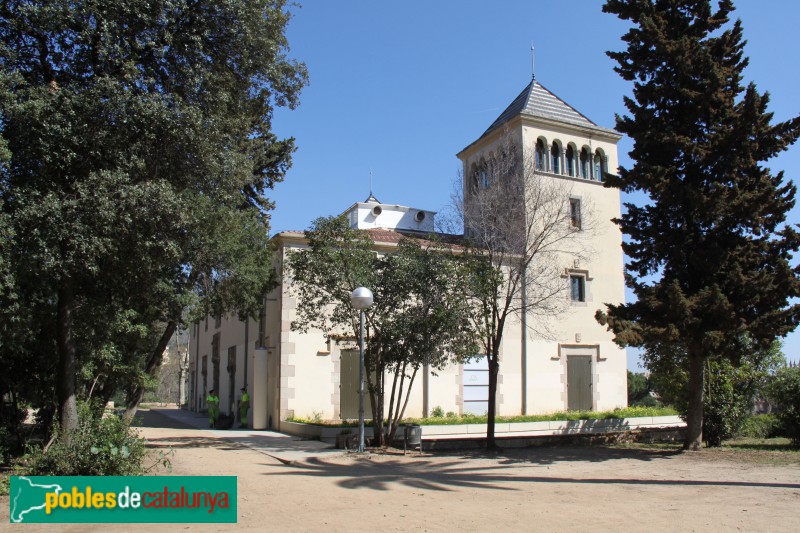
{"x":371,"y":197}
{"x":533,"y":65}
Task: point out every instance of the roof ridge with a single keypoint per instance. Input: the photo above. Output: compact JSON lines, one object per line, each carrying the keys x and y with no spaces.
{"x":511,"y":110}
{"x":554,"y":95}
{"x":536,"y":100}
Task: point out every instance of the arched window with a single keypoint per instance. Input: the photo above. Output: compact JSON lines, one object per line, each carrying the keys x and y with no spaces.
{"x":584,"y":167}
{"x":599,"y":165}
{"x":539,"y":158}
{"x":474,"y":179}
{"x":555,"y":159}
{"x":491,"y":170}
{"x":483,"y":174}
{"x":570,"y":161}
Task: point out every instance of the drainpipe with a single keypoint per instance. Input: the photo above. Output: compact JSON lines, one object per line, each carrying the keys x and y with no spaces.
{"x":524,"y":346}
{"x":425,"y":388}
{"x":246,"y":345}
{"x":197,"y":370}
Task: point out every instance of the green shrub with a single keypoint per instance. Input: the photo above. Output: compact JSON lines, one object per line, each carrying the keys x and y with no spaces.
{"x":729,"y":389}
{"x":728,"y":401}
{"x":437,"y":412}
{"x":646,"y":401}
{"x":784,"y":390}
{"x":100,"y":446}
{"x":10,"y":432}
{"x":638,"y":388}
{"x":451,"y":418}
{"x":5,"y":445}
{"x":629,"y":412}
{"x":759,"y":427}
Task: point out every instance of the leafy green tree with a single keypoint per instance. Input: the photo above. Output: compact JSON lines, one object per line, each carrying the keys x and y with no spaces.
{"x":638,"y":388}
{"x":784,"y":391}
{"x":710,"y":252}
{"x":424,"y":320}
{"x":730,"y":386}
{"x":419,"y":316}
{"x":141,"y":150}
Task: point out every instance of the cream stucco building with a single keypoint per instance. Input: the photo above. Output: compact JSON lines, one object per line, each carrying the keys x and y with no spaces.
{"x":306,"y":374}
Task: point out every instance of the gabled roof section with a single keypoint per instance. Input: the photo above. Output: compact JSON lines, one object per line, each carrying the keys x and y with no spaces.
{"x":537,"y":101}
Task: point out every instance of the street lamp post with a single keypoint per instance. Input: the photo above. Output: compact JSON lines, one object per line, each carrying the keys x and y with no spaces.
{"x":361,"y":299}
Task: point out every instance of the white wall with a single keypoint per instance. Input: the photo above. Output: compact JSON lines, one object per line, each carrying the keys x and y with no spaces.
{"x":372,"y":215}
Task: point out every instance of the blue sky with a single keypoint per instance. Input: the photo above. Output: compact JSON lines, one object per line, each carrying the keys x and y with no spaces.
{"x":399,"y":88}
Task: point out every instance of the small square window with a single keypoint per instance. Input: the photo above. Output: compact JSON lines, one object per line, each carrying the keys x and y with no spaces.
{"x":575,"y":213}
{"x":577,"y":288}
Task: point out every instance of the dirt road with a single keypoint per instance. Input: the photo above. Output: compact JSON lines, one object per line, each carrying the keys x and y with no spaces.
{"x":539,"y":489}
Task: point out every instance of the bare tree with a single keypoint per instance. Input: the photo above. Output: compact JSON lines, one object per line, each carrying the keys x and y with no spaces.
{"x":183,"y":373}
{"x":523,"y":232}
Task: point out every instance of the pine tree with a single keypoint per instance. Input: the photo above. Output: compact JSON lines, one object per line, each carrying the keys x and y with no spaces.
{"x":710,"y":253}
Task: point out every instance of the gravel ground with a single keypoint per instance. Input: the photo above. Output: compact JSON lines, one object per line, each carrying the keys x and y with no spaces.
{"x":535,"y":489}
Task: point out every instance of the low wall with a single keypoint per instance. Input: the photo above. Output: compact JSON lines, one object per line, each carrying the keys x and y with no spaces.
{"x":437,"y":436}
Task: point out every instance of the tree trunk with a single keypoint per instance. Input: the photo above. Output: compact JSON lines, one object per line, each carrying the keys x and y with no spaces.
{"x":494,"y":369}
{"x":401,"y":411}
{"x":181,"y":386}
{"x":67,"y":405}
{"x":390,"y":415}
{"x":377,"y":397}
{"x":378,"y":438}
{"x":136,"y":391}
{"x":694,"y":414}
{"x":17,"y":423}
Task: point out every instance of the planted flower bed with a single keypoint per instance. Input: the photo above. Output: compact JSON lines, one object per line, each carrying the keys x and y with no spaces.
{"x":628,"y":412}
{"x":529,"y":426}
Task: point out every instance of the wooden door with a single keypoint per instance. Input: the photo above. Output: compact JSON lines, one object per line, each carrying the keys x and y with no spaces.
{"x":579,"y":383}
{"x":348,"y":387}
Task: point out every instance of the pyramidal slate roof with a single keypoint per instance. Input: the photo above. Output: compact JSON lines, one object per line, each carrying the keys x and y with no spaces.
{"x":537,"y":101}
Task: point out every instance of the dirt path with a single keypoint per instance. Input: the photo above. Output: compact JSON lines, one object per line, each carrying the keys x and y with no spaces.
{"x":540,"y":489}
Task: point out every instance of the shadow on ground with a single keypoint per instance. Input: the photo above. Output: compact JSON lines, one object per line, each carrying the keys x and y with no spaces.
{"x":152,"y":419}
{"x":281,"y":447}
{"x":554,"y":454}
{"x":193,"y":442}
{"x":437,"y":475}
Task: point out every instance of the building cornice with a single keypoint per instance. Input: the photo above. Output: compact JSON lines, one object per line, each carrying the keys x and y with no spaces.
{"x":594,"y":133}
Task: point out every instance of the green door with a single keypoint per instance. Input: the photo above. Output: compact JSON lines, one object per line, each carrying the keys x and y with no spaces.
{"x":348,"y":387}
{"x":579,"y":383}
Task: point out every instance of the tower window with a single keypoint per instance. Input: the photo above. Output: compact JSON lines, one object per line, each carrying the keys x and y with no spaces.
{"x":584,"y":168}
{"x":577,"y":288}
{"x":599,"y":165}
{"x":570,"y":161}
{"x":539,"y":158}
{"x":555,"y":159}
{"x":575,"y":213}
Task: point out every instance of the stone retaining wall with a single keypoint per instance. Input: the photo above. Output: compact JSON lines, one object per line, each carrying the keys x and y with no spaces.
{"x":461,"y":435}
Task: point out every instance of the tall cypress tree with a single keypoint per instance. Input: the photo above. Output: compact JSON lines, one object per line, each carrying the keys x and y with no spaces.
{"x":710,"y":253}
